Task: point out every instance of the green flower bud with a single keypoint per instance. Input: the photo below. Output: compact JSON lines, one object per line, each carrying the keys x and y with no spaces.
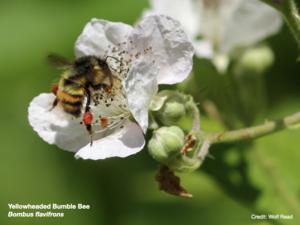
{"x":221,"y":63}
{"x":255,"y":60}
{"x":184,"y":164}
{"x":169,"y":107}
{"x":165,"y":143}
{"x":172,"y":112}
{"x":168,"y":145}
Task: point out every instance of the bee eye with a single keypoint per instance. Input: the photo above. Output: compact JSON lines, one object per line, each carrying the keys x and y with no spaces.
{"x":102,"y":63}
{"x":104,"y":66}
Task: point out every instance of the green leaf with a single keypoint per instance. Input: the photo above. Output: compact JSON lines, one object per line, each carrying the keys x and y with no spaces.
{"x":209,"y":205}
{"x":274,"y":169}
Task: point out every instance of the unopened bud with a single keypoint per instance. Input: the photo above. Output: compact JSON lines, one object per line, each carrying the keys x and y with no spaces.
{"x":255,"y":60}
{"x":166,"y":142}
{"x":184,"y":164}
{"x":169,"y":107}
{"x":172,"y":112}
{"x":221,"y":63}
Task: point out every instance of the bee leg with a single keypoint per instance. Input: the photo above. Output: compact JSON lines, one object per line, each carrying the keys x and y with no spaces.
{"x":54,"y":90}
{"x":88,"y":116}
{"x":54,"y":104}
{"x":109,"y":87}
{"x":87,"y":120}
{"x":111,"y":80}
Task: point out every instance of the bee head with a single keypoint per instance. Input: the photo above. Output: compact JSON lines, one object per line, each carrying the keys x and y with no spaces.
{"x":83,"y":65}
{"x":95,"y":69}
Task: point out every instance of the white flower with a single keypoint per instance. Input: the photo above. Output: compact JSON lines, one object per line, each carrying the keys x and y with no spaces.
{"x":154,"y":52}
{"x":222,"y":24}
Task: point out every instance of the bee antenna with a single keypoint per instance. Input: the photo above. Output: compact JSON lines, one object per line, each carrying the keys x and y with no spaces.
{"x":119,"y":61}
{"x":108,"y":56}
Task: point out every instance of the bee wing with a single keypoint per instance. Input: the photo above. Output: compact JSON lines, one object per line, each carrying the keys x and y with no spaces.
{"x":59,"y":61}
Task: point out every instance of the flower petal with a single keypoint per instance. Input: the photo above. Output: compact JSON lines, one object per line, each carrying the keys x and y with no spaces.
{"x":98,"y":35}
{"x":203,"y":49}
{"x":171,"y":48}
{"x":55,"y":126}
{"x":124,"y":142}
{"x":251,"y":21}
{"x":183,"y":11}
{"x":140,"y":86}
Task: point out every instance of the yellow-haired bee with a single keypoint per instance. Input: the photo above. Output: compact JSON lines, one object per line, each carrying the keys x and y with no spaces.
{"x":76,"y":82}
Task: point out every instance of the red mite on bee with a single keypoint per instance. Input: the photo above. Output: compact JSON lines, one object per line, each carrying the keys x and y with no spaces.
{"x":85,"y":74}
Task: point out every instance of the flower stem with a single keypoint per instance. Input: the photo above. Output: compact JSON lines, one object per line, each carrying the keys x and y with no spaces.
{"x":253,"y":132}
{"x":290,"y":13}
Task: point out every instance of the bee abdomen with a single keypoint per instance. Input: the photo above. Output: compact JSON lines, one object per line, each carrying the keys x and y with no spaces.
{"x":71,"y":103}
{"x":73,"y":108}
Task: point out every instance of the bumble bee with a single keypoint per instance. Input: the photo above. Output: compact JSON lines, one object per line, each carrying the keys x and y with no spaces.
{"x":76,"y":82}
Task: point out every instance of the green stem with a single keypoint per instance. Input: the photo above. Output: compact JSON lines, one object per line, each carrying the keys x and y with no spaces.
{"x":253,"y":132}
{"x":290,"y":13}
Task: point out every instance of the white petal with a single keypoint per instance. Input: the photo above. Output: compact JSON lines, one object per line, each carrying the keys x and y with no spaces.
{"x":203,"y":49}
{"x":171,"y":48}
{"x":56,"y":126}
{"x":97,"y":35}
{"x":214,"y":17}
{"x":252,"y":21}
{"x":183,"y":11}
{"x":140,"y":86}
{"x":124,"y":142}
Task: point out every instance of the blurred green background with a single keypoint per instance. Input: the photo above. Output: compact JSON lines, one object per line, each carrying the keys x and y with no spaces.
{"x":245,"y":178}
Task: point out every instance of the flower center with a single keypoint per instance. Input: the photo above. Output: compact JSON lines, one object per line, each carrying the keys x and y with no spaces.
{"x":211,"y":4}
{"x":109,"y":106}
